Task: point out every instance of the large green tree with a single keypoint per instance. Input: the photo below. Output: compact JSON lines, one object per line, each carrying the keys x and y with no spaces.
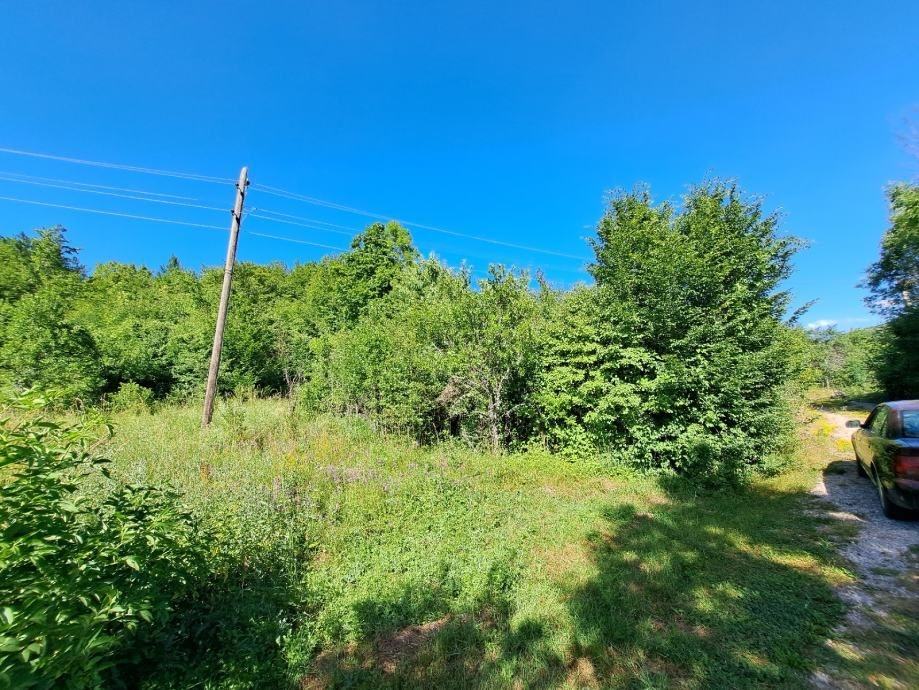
{"x":685,"y":363}
{"x":894,"y":283}
{"x":894,"y":278}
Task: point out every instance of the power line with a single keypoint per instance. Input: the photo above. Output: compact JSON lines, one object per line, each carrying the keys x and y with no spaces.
{"x":257,"y":213}
{"x":72,"y":188}
{"x":306,"y":220}
{"x":303,"y":225}
{"x":308,"y":223}
{"x":97,"y":186}
{"x":112,"y":213}
{"x":119,"y":166}
{"x":275,"y":191}
{"x":165,"y":220}
{"x":294,"y":240}
{"x":283,"y":193}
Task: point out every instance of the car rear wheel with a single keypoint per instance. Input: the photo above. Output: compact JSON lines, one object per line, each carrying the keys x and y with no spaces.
{"x":891,"y":510}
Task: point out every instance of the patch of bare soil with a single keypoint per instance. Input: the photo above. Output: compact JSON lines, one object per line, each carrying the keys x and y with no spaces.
{"x":883,"y":555}
{"x":387,"y":653}
{"x":582,"y":674}
{"x":405,"y":643}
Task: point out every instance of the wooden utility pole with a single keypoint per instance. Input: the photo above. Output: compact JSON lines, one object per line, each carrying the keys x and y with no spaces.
{"x":211,"y":391}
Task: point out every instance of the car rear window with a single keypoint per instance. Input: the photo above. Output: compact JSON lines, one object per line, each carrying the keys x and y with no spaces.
{"x":910,"y":422}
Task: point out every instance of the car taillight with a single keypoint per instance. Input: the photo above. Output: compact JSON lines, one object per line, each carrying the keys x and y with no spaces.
{"x":906,"y":464}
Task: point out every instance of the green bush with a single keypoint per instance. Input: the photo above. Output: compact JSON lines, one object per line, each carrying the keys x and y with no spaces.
{"x":131,"y":397}
{"x":678,"y":359}
{"x":89,"y":569}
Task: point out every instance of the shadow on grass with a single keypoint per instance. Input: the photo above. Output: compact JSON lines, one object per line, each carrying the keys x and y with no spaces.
{"x":723,"y":590}
{"x":454,"y":651}
{"x":229,"y":632}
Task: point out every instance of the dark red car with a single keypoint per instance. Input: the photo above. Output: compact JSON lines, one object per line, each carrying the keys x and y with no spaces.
{"x":887,"y":451}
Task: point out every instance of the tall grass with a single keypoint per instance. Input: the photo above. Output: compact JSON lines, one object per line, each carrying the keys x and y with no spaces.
{"x":349,"y":558}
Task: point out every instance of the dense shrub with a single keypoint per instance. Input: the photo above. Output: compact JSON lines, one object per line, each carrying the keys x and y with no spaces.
{"x":677,"y":358}
{"x":394,"y":362}
{"x":438,"y":356}
{"x":89,"y":568}
{"x":681,"y":361}
{"x":41,"y":342}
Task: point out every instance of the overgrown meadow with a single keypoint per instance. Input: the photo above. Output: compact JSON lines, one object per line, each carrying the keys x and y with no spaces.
{"x":414,"y":478}
{"x":327,"y":554}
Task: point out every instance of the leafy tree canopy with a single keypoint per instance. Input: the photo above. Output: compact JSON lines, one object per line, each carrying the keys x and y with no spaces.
{"x":894,"y":278}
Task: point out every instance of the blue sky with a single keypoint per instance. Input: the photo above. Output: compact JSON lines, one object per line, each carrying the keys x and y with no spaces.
{"x":503,"y":120}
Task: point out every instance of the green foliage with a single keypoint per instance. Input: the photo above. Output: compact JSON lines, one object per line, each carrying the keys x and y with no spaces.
{"x":437,"y":356}
{"x":676,"y":359}
{"x":496,"y":357}
{"x":680,"y":356}
{"x":44,"y":347}
{"x":592,"y":381}
{"x":88,"y":568}
{"x":131,"y":397}
{"x":129,"y":318}
{"x":238,"y":624}
{"x":83,"y":337}
{"x":41,"y":344}
{"x":894,"y":283}
{"x":894,"y":278}
{"x":29,"y":262}
{"x":368,"y":271}
{"x":899,"y":367}
{"x":395,"y":361}
{"x":847,"y":361}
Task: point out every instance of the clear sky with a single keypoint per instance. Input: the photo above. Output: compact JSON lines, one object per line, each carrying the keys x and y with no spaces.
{"x":505,"y":120}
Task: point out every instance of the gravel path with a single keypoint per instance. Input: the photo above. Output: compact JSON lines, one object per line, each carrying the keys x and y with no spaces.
{"x":882,"y":544}
{"x":883,"y":553}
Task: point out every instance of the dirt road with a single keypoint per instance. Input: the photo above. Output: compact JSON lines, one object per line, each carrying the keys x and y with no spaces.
{"x":885,"y":555}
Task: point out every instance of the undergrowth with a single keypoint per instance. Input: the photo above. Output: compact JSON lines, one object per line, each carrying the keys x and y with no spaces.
{"x":361,"y":560}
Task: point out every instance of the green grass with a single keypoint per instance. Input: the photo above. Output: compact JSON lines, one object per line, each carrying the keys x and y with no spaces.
{"x":882,"y":648}
{"x":367,"y":561}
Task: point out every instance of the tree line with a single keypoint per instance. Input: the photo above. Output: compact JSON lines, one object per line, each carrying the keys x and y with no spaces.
{"x":678,"y":355}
